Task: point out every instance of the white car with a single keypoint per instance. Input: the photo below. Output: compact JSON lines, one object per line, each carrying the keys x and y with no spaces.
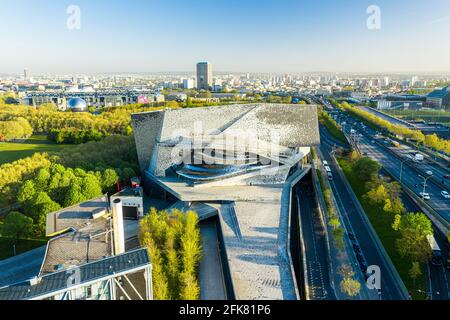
{"x":429,"y":172}
{"x":425,"y":196}
{"x":445,"y":195}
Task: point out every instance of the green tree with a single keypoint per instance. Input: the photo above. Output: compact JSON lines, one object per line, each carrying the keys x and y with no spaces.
{"x":48,"y":107}
{"x":38,"y":208}
{"x":397,"y":207}
{"x":91,"y":187}
{"x":15,"y":129}
{"x":350,"y":287}
{"x":346,"y":271}
{"x":377,"y":196}
{"x":414,"y":229}
{"x":73,"y":195}
{"x":109,"y":179}
{"x":397,"y":221}
{"x":173,"y":242}
{"x":365,"y":168}
{"x":17,"y":226}
{"x":41,"y":179}
{"x":334,"y":223}
{"x":415,"y":271}
{"x":26,"y":191}
{"x":128,"y":173}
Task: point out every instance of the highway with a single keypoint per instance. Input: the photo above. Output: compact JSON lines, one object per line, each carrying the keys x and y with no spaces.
{"x":438,"y":276}
{"x":380,"y":151}
{"x":315,"y":244}
{"x":407,"y":152}
{"x":377,"y":149}
{"x":354,"y":221}
{"x":387,"y":117}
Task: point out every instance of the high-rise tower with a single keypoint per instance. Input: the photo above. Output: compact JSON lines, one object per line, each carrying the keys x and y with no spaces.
{"x":204,"y":76}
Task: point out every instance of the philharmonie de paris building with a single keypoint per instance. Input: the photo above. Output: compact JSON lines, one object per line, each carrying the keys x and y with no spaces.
{"x":238,"y":163}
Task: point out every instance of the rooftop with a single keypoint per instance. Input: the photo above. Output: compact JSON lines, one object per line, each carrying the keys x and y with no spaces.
{"x":85,"y":235}
{"x":292,"y":126}
{"x":441,"y":93}
{"x":58,"y":281}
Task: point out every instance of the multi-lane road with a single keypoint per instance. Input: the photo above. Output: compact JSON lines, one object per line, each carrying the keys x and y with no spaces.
{"x":412,"y":174}
{"x":394,"y":160}
{"x":438,"y":277}
{"x":358,"y":225}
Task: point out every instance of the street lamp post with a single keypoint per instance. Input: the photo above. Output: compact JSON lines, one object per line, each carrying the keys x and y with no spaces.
{"x":425,"y":179}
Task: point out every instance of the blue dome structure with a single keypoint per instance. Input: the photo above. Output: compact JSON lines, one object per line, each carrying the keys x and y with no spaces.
{"x":77,"y":105}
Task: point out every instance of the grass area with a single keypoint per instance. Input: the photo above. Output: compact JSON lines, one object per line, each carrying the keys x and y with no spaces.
{"x":6,"y":246}
{"x":382,"y":223}
{"x":427,"y":115}
{"x":12,"y":151}
{"x":332,"y":127}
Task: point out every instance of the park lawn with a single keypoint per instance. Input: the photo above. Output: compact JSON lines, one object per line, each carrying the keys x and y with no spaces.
{"x":382,"y":224}
{"x":12,"y":151}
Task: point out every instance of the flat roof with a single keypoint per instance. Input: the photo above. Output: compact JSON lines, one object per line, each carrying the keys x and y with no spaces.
{"x":254,"y":234}
{"x":21,"y":267}
{"x":89,"y":272}
{"x":83,"y":239}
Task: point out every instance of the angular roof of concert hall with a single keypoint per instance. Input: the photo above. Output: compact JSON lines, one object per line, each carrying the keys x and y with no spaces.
{"x":296,"y":126}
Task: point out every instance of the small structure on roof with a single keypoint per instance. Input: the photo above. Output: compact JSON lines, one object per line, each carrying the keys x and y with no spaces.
{"x":132,"y":202}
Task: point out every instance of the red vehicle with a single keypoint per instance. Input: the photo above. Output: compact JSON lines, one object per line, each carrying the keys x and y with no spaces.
{"x":447,"y":176}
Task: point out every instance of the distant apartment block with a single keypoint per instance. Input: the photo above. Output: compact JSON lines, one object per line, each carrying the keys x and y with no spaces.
{"x":188,"y":84}
{"x":97,"y":99}
{"x":204,"y":76}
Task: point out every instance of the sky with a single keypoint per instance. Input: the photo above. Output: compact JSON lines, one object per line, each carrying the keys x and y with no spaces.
{"x":234,"y":35}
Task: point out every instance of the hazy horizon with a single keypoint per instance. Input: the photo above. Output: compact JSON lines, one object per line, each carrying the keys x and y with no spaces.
{"x":235,"y":36}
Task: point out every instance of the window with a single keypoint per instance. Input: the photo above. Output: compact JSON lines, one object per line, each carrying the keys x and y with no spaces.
{"x":88,"y":292}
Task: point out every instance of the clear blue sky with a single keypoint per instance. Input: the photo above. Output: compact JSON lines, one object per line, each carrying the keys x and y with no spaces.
{"x":235,"y":35}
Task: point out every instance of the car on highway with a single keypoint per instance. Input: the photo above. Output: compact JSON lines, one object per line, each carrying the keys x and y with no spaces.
{"x":429,"y":173}
{"x":447,"y":176}
{"x":425,"y":195}
{"x":445,"y":195}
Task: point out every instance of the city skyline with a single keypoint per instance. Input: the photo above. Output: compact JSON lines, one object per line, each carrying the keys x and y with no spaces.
{"x":263,"y":37}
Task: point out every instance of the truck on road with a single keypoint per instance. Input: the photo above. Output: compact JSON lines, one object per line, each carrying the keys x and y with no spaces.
{"x":436,"y":257}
